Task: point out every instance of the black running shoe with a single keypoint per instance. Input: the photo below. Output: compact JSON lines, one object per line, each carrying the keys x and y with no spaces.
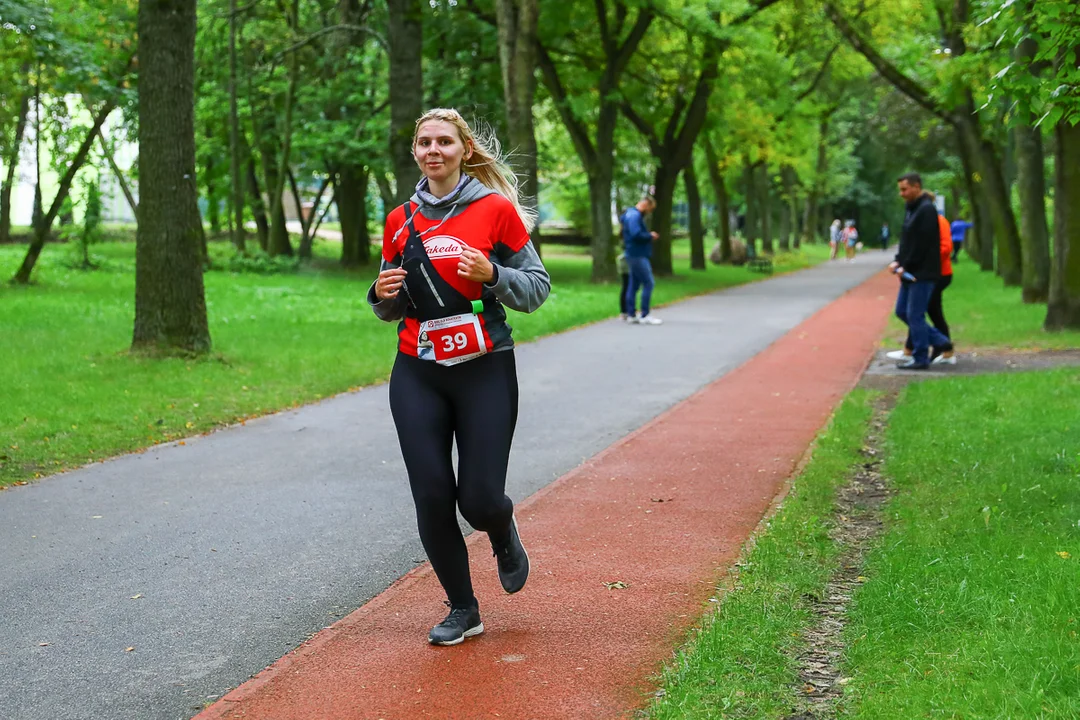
{"x":458,"y":625}
{"x":513,"y":561}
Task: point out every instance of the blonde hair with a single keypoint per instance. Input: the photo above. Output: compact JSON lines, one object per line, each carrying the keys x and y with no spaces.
{"x":486,"y":162}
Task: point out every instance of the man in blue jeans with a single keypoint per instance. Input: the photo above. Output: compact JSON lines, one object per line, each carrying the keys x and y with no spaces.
{"x":918,"y":263}
{"x":638,"y":241}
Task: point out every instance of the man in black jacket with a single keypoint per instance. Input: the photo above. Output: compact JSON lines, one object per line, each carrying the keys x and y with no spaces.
{"x":918,"y":263}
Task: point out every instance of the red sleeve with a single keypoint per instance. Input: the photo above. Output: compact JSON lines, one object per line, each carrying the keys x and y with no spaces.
{"x":512,"y":232}
{"x":394,"y":220}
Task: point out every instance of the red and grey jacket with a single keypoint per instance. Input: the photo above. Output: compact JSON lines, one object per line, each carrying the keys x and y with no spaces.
{"x":472,"y":215}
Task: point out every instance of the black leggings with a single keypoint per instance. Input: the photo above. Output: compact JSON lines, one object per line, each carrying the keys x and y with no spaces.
{"x":623,"y":306}
{"x":933,"y":309}
{"x":476,"y":403}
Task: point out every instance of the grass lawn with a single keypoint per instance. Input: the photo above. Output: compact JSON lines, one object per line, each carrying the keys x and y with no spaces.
{"x":70,"y":393}
{"x":740,"y":665}
{"x":983,"y":313}
{"x":972,"y":609}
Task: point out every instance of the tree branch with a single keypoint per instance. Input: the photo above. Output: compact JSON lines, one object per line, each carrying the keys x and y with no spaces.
{"x":579,"y":134}
{"x":605,"y":32}
{"x":239,"y":10}
{"x":754,"y":10}
{"x":326,"y":30}
{"x":887,"y":70}
{"x":643,"y":127}
{"x":630,"y":44}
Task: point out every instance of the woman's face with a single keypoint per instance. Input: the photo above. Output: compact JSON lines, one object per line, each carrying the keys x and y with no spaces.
{"x":438,"y":150}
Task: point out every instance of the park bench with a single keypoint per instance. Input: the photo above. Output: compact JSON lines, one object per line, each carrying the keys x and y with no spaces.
{"x":761,"y":264}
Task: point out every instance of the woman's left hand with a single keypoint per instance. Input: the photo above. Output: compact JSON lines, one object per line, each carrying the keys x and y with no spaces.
{"x":475,"y":266}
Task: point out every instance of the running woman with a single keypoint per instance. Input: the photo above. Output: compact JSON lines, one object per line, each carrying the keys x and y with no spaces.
{"x":454,"y":257}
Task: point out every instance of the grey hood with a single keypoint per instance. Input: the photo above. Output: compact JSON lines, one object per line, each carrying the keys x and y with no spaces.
{"x":468,"y":190}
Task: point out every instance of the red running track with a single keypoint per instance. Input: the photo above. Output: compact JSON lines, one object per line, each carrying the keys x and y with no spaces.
{"x":664,"y":511}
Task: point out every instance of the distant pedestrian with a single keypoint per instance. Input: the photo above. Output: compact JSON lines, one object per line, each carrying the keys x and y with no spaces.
{"x":884,"y":236}
{"x":918,"y":263}
{"x":959,"y":230}
{"x":836,"y":230}
{"x":638,"y":243}
{"x":935,"y":308}
{"x":850,"y":237}
{"x":460,"y":251}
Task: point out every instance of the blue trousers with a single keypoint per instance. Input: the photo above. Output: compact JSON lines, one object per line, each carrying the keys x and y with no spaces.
{"x":911,"y":304}
{"x":640,"y":277}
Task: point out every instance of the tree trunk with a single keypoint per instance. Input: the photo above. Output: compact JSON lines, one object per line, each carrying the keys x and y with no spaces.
{"x":1063,"y":309}
{"x":789,"y":218}
{"x":258,"y":207}
{"x":386,"y":194}
{"x":406,"y":90}
{"x":12,"y":165}
{"x":1009,"y":261}
{"x":723,"y":205}
{"x":602,"y":248}
{"x":298,"y":201}
{"x":278,"y":240}
{"x":812,"y":218}
{"x":307,"y":239}
{"x":750,"y":224}
{"x":980,"y":238}
{"x":351,"y":193}
{"x":37,"y":216}
{"x":764,"y":185}
{"x":279,"y":233}
{"x":213,"y":212}
{"x":697,"y":230}
{"x":517,"y":20}
{"x":784,"y":238}
{"x":664,"y":182}
{"x":322,"y":216}
{"x":44,"y":226}
{"x":119,"y":175}
{"x":998,"y":220}
{"x":1033,"y":231}
{"x":239,"y":234}
{"x":170,"y":305}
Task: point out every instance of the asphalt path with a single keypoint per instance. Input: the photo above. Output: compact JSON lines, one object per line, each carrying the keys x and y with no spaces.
{"x":149,"y":585}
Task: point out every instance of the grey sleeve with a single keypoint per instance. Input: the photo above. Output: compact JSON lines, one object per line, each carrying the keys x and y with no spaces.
{"x":390,"y":309}
{"x":522,"y":282}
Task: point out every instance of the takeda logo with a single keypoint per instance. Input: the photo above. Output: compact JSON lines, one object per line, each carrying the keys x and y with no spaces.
{"x":442,"y":246}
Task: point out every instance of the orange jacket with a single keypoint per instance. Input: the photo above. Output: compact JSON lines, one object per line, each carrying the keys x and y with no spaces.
{"x":946,"y":245}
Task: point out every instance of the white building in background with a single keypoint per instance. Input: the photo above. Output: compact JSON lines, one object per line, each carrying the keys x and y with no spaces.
{"x":115,"y":208}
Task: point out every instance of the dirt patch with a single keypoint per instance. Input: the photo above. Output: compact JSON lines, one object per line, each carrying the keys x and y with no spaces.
{"x":882,"y":374}
{"x":857,"y":516}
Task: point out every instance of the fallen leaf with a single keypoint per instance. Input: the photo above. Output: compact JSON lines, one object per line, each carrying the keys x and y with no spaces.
{"x":136,"y":596}
{"x":617,"y":585}
{"x":43,"y":644}
{"x":1063,"y":554}
{"x":129,"y":649}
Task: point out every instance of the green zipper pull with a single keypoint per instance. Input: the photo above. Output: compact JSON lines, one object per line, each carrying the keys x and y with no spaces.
{"x":478,"y":306}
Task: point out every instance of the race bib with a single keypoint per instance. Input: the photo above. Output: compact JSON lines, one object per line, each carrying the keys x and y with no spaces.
{"x":451,"y":340}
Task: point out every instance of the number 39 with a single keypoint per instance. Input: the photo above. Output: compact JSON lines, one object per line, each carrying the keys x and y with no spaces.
{"x":458,"y":341}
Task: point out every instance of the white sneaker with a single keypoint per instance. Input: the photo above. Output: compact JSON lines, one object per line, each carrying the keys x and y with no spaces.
{"x":896,"y":355}
{"x":942,"y":360}
{"x":650,"y":320}
{"x":632,"y":319}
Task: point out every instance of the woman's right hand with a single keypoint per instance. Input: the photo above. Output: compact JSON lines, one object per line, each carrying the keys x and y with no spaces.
{"x":389,"y":282}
